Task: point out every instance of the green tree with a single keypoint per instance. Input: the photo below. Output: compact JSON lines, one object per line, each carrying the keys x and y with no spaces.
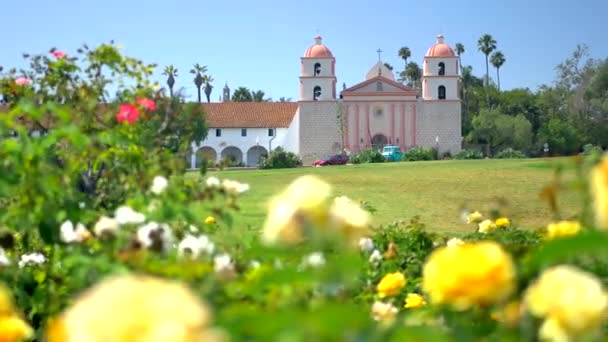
{"x":521,"y":101}
{"x":390,"y":67}
{"x":198,"y":70}
{"x":498,"y":59}
{"x":414,"y":74}
{"x":562,"y":137}
{"x":404,"y":53}
{"x":486,"y":44}
{"x":257,"y":96}
{"x":171,"y":73}
{"x":498,"y":131}
{"x":242,"y":94}
{"x":459,"y":52}
{"x":284,"y":99}
{"x":207,"y":79}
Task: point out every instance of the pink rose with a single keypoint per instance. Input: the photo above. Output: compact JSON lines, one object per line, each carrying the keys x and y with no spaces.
{"x":128,"y":113}
{"x":23,"y":81}
{"x":146,"y":103}
{"x":59,"y":54}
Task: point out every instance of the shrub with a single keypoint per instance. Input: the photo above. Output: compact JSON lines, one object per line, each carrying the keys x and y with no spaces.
{"x":420,"y":153}
{"x":280,"y":159}
{"x":509,"y":153}
{"x":590,"y":149}
{"x":469,"y":154}
{"x":367,"y":156}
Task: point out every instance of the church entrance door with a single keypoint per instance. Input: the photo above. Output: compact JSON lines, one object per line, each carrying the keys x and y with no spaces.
{"x":379,"y":140}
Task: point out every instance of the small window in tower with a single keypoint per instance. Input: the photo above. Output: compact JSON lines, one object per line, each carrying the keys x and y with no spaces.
{"x":218,"y":132}
{"x":243,"y":132}
{"x":441,"y":68}
{"x":441,"y":92}
{"x":316,"y":93}
{"x":270,"y":132}
{"x":317,"y":69}
{"x":378,"y":112}
{"x":379,"y":86}
{"x":397,"y":141}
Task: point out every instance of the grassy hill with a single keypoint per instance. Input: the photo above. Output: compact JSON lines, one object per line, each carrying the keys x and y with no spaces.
{"x":436,"y":191}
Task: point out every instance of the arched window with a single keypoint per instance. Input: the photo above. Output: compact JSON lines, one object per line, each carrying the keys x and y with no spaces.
{"x":441,"y":92}
{"x":441,"y":68}
{"x":379,"y":86}
{"x":316,"y":93}
{"x":317,"y":69}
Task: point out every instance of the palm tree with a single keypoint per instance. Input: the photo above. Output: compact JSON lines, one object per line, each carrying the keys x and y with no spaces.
{"x":199,"y":71}
{"x":257,"y":96}
{"x":171,"y":73}
{"x":284,"y":99}
{"x":459,"y":52}
{"x":242,"y":94}
{"x":404,"y":53}
{"x":207,"y":79}
{"x":388,"y":66}
{"x":498,"y":59}
{"x":414,"y":73}
{"x":486,"y":44}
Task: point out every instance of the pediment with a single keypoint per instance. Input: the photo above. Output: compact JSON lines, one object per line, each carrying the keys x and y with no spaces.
{"x":379,"y":85}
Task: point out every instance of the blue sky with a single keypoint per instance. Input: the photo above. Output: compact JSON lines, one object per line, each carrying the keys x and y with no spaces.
{"x":258,"y":43}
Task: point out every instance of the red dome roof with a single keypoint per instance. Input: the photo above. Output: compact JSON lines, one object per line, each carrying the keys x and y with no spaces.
{"x":318,"y":50}
{"x":440,"y":49}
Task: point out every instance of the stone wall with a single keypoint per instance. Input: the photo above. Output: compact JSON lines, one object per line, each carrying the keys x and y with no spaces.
{"x":319,"y":134}
{"x":439,"y":119}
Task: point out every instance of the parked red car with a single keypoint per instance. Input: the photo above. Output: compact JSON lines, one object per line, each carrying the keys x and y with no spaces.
{"x":338,"y":159}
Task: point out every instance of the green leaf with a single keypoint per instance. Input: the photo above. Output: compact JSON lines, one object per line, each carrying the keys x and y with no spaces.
{"x":554,"y":251}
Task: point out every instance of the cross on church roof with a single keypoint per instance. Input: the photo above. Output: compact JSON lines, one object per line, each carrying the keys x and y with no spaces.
{"x":379,"y":52}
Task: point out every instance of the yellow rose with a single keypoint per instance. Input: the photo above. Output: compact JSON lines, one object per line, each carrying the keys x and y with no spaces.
{"x":473,"y":274}
{"x":474,"y":217}
{"x":391,"y":284}
{"x":414,"y":301}
{"x":486,"y":226}
{"x":12,"y":326}
{"x":134,"y":308}
{"x":599,"y":193}
{"x":210,"y":220}
{"x":349,"y":218}
{"x":573,"y":302}
{"x":304,"y":202}
{"x":502,"y":222}
{"x":562,"y":229}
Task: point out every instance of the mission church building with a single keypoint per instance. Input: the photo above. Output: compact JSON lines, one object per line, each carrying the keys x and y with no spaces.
{"x":373,"y":113}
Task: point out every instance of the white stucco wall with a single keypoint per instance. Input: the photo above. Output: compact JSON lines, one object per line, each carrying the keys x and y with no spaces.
{"x":430,"y":66}
{"x":232,"y":137}
{"x":292,"y":136}
{"x":431,"y":88}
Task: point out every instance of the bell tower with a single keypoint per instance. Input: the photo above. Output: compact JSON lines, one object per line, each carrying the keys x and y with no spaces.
{"x":440,"y":78}
{"x":318,"y":74}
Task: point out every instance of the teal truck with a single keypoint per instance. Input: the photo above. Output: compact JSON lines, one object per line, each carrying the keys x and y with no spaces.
{"x":392,"y":153}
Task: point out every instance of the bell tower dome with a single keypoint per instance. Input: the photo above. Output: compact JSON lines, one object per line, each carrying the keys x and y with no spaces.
{"x":318,"y":74}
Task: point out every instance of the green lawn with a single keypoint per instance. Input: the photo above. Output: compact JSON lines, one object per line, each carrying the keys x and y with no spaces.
{"x":436,"y":191}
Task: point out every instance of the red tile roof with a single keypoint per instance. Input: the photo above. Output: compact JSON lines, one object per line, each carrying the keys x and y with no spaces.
{"x":245,"y":114}
{"x":249,"y":114}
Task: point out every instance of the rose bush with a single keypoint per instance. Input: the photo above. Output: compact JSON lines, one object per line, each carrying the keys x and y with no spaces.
{"x":104,"y":236}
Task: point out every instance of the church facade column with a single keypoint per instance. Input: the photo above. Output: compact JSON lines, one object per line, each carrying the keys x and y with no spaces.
{"x":367,"y":128}
{"x":346,"y":128}
{"x":413,"y":123}
{"x":392,"y":137}
{"x":402,"y":121}
{"x":357,"y":132}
